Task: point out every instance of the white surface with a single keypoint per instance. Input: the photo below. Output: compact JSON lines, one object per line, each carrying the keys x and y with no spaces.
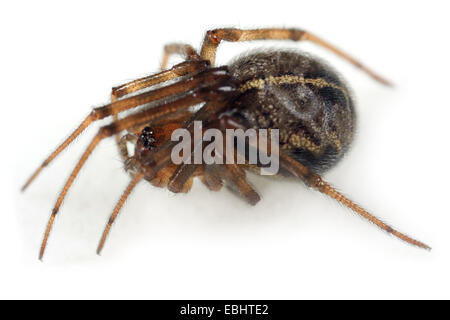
{"x":59,"y":60}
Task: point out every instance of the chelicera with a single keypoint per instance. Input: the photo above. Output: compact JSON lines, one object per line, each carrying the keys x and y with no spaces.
{"x":290,"y":91}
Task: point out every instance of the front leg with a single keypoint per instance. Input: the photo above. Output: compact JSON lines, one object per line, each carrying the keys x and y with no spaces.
{"x":185,"y":50}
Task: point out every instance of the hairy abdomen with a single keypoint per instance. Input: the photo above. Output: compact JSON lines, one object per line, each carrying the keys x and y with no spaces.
{"x":300,"y":96}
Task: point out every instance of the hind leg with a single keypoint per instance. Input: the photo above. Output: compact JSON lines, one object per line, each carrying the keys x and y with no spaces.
{"x":214,"y":37}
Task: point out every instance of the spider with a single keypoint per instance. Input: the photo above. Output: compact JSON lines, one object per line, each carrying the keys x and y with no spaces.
{"x":297,"y":94}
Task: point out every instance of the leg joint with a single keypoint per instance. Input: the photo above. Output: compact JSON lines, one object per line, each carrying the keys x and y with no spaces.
{"x":217,"y":35}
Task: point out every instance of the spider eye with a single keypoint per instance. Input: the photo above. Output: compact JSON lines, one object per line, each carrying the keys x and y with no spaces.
{"x":148,"y":130}
{"x":147,"y":138}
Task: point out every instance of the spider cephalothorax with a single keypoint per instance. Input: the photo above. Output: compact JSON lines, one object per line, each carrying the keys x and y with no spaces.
{"x":288,"y":91}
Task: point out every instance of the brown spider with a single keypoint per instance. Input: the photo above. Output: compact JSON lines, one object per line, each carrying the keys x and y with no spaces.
{"x":286,"y":90}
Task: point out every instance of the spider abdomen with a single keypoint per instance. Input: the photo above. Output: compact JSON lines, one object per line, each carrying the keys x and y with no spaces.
{"x":303,"y":98}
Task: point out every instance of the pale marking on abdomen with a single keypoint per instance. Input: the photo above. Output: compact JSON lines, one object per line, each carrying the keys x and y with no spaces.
{"x":296,"y":140}
{"x":290,"y":79}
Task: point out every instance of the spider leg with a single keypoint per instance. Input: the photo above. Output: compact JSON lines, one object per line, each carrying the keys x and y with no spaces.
{"x":136,"y":179}
{"x":119,"y":106}
{"x":214,"y":37}
{"x":194,"y":97}
{"x":296,"y":169}
{"x":213,"y":175}
{"x":185,"y":50}
{"x":211,"y":179}
{"x":182,"y":174}
{"x":184,"y":171}
{"x":179,"y":179}
{"x":176,"y":71}
{"x":315,"y":181}
{"x":234,"y":175}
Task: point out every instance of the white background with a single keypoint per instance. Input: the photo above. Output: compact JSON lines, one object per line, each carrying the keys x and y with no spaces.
{"x":59,"y":59}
